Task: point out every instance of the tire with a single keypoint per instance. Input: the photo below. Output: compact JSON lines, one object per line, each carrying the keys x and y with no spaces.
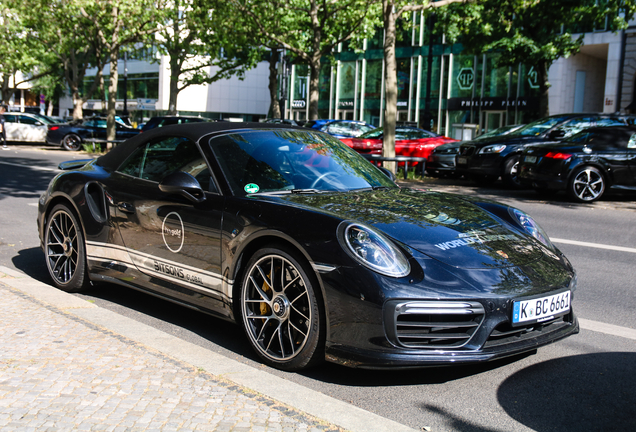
{"x":282,"y":317}
{"x":586,"y":185}
{"x":72,"y":142}
{"x":510,"y":173}
{"x":64,"y":250}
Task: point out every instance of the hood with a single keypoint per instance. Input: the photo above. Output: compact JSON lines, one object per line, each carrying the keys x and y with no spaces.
{"x":443,"y":226}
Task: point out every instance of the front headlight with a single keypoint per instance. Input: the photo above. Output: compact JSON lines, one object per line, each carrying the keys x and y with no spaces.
{"x":496,"y":148}
{"x":373,"y":250}
{"x":531,"y":226}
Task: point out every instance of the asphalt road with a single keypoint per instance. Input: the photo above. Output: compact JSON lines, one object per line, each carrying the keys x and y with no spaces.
{"x":585,"y":382}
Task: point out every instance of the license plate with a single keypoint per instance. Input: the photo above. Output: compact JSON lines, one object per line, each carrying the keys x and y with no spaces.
{"x":530,"y":159}
{"x":462,"y":161}
{"x":541,"y":309}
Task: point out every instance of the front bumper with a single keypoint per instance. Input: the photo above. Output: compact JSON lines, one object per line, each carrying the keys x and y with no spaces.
{"x":492,"y":350}
{"x":480,"y":164}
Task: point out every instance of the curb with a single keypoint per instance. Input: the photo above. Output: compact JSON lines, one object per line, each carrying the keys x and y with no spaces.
{"x":311,"y":402}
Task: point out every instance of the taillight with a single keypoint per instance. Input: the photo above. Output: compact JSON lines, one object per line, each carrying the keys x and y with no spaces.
{"x":558,"y":155}
{"x":53,"y":128}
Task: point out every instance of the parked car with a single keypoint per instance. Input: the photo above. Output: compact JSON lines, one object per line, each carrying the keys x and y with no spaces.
{"x":585,"y":165}
{"x":71,"y":136}
{"x":161,"y":121}
{"x":486,"y":160}
{"x":441,"y":162}
{"x":25,"y":127}
{"x":409,"y":141}
{"x":340,"y":128}
{"x":281,"y":121}
{"x":314,"y":251}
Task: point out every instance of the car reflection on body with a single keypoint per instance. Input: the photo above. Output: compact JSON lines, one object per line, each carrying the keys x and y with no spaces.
{"x":584,"y":165}
{"x":314,"y":251}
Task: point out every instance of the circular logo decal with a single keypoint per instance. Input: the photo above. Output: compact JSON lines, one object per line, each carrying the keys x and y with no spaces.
{"x":251,"y":188}
{"x":172,"y":232}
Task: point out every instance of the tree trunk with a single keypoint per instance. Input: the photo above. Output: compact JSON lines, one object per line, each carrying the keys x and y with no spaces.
{"x":314,"y":81}
{"x":274,"y":108}
{"x":78,"y":102}
{"x":390,"y":82}
{"x":112,"y":95}
{"x":544,"y":86}
{"x":175,"y":72}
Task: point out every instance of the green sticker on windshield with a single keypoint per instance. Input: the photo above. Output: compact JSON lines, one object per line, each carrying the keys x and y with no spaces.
{"x":251,"y":188}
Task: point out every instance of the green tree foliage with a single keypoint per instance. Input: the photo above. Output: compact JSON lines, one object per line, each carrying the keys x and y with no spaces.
{"x":309,"y":29}
{"x":115,"y":24}
{"x":67,"y":45}
{"x":18,"y":56}
{"x":206,"y":41}
{"x":532,"y":32}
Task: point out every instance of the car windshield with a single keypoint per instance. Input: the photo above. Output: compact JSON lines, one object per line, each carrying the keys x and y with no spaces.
{"x":539,"y":127}
{"x":292,"y":161}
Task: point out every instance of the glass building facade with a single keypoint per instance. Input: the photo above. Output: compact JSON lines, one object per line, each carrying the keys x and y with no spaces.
{"x":440,"y":88}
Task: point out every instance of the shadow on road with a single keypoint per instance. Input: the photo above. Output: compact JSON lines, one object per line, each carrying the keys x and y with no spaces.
{"x":25,"y":180}
{"x":588,"y":392}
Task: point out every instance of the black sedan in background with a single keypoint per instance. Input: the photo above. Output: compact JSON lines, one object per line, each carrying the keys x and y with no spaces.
{"x":314,"y":251}
{"x":585,"y":165}
{"x":486,"y":160}
{"x":441,"y":161}
{"x":72,"y":135}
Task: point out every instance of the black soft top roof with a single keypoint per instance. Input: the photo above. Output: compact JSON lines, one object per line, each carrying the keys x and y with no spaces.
{"x":192,"y":131}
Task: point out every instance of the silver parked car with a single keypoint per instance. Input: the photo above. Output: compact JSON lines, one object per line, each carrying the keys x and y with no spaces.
{"x":25,"y":127}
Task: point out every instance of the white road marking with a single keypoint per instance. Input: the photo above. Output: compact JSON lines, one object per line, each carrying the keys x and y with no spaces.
{"x":609,"y":329}
{"x":30,"y":166}
{"x":594,"y":245}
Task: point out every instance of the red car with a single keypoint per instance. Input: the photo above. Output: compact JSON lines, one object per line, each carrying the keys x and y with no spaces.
{"x":409,"y":141}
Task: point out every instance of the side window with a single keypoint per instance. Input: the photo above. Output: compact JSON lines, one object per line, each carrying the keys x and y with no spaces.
{"x":156,"y":160}
{"x":575,"y":125}
{"x":28,"y":120}
{"x":10,"y":118}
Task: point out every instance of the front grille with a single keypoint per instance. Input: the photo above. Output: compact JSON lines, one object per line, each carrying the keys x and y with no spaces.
{"x":504,"y":333}
{"x":431,"y":324}
{"x":466,"y":151}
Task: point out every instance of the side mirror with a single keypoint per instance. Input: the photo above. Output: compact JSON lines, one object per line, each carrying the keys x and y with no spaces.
{"x":388,"y":173}
{"x":183,"y":184}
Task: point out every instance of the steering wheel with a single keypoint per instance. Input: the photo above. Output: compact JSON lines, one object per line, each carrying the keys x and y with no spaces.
{"x":320,"y":178}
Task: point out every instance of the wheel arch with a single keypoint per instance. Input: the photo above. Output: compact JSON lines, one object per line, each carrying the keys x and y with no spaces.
{"x":599,"y":164}
{"x":61,"y":198}
{"x":273,"y":239}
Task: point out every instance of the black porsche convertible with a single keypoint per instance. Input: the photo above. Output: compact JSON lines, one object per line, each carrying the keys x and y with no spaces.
{"x":314,"y":251}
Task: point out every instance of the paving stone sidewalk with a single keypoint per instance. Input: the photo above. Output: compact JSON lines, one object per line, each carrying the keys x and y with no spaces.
{"x":61,"y":373}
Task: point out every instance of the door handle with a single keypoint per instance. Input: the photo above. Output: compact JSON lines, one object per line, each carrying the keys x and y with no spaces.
{"x":126,"y":207}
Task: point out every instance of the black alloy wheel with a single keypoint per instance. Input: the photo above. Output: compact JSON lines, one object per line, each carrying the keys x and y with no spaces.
{"x":280,"y":311}
{"x":586,"y":185}
{"x":65,"y":250}
{"x":72,"y":142}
